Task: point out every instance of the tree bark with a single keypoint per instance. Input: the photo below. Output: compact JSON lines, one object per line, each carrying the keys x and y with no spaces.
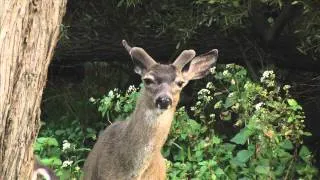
{"x":29,"y":30}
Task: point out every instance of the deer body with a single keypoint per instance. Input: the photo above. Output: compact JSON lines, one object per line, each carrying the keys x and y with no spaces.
{"x":140,"y":138}
{"x":131,"y":149}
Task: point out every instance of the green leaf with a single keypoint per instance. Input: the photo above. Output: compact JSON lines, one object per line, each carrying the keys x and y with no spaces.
{"x":235,"y":4}
{"x":294,"y":104}
{"x":242,"y":136}
{"x":280,"y":169}
{"x":262,"y":169}
{"x":307,"y":134}
{"x":286,"y":144}
{"x":59,"y":132}
{"x":41,"y":140}
{"x":37,"y":147}
{"x":231,"y":100}
{"x":244,"y":178}
{"x":66,"y":174}
{"x":52,"y":142}
{"x":54,"y":161}
{"x":244,"y":155}
{"x":305,"y":154}
{"x":215,"y":140}
{"x":226,"y":115}
{"x":49,"y":141}
{"x":219,"y":172}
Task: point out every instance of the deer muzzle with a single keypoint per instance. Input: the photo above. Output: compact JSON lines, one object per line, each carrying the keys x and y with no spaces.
{"x":163,"y":102}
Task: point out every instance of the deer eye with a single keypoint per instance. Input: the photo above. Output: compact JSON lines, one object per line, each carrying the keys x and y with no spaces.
{"x":180,"y":83}
{"x":148,"y":81}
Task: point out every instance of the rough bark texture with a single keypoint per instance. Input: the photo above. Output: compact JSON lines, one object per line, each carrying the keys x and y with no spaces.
{"x":29,"y":30}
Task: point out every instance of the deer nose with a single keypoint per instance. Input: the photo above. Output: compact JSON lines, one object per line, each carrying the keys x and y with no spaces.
{"x":163,"y":102}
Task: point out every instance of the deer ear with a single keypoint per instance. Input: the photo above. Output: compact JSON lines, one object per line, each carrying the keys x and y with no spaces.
{"x":184,"y":58}
{"x":200,"y":65}
{"x":141,"y":59}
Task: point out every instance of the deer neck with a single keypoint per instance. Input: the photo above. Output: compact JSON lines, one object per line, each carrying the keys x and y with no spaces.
{"x":149,"y":126}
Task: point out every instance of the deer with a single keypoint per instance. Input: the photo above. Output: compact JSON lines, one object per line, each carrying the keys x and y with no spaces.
{"x":131,"y":149}
{"x":43,"y":171}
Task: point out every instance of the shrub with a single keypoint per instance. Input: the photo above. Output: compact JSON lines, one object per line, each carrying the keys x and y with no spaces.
{"x":264,"y":141}
{"x":61,"y":147}
{"x":237,"y":129}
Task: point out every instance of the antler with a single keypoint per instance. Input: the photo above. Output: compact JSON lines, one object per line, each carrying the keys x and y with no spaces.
{"x":141,"y":59}
{"x":139,"y":54}
{"x":126,"y":45}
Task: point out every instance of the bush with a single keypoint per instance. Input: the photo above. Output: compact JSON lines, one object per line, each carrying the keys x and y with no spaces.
{"x":61,"y":147}
{"x":237,"y":129}
{"x":264,"y":141}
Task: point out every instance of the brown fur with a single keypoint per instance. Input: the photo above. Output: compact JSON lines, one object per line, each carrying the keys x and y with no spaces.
{"x":131,"y":149}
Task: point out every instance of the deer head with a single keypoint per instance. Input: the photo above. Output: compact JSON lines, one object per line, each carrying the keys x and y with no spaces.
{"x":164,"y":82}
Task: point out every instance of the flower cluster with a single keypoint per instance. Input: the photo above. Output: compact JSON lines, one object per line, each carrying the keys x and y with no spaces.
{"x":268,"y":78}
{"x":286,"y":87}
{"x":258,"y":106}
{"x":210,"y":85}
{"x":213,"y":70}
{"x":226,"y":73}
{"x":114,"y":93}
{"x":204,"y":94}
{"x":66,"y":163}
{"x":131,"y":89}
{"x":66,"y":145}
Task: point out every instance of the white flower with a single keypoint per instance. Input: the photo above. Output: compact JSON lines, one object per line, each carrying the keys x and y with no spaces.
{"x":258,"y":106}
{"x":225,"y":72}
{"x":235,"y":106}
{"x":209,"y":85}
{"x":213,"y":70}
{"x":77,"y":168}
{"x":247,"y":85}
{"x":230,"y":94}
{"x":66,"y":163}
{"x":229,"y":66}
{"x":204,"y":92}
{"x":66,"y":145}
{"x":131,"y":89}
{"x":218,"y":105}
{"x":271,"y":84}
{"x":286,"y":87}
{"x":92,"y":99}
{"x":110,"y":94}
{"x":266,"y":75}
{"x":212,"y":116}
{"x":233,"y":82}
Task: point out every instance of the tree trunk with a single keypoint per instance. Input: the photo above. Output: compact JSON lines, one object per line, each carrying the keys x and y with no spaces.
{"x":29,"y":30}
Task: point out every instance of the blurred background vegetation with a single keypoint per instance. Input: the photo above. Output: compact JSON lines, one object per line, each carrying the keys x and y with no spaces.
{"x":258,"y":34}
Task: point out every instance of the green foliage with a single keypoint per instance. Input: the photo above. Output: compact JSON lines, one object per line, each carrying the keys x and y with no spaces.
{"x":236,"y":129}
{"x":183,"y":20}
{"x":61,"y":147}
{"x":117,"y":105}
{"x":264,"y":141}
